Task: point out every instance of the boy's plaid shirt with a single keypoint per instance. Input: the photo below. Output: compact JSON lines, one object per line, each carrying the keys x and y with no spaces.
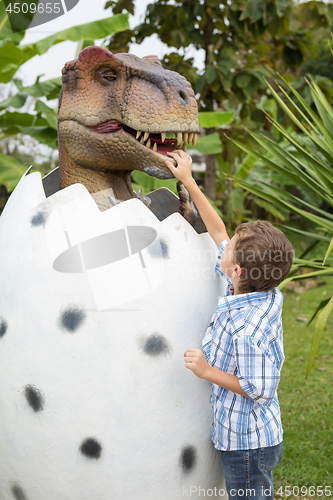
{"x":244,"y":338}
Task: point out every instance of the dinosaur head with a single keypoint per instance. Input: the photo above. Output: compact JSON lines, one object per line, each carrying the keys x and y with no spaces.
{"x":116,"y":114}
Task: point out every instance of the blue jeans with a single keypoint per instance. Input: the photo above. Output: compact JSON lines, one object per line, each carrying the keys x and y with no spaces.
{"x":248,"y":473}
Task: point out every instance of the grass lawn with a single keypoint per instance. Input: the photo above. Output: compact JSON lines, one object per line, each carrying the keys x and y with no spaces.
{"x":306,"y":405}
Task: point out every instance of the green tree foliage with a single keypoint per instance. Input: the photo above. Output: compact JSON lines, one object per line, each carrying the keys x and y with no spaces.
{"x":321,"y":64}
{"x":244,"y":41}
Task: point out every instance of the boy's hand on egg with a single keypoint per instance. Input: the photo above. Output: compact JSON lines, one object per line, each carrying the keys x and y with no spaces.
{"x":196,"y":362}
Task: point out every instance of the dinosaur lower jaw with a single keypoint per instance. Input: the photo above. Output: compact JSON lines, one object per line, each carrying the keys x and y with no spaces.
{"x":156,"y":142}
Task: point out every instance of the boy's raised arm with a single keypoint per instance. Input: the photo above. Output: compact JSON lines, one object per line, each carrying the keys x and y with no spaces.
{"x":214,"y":224}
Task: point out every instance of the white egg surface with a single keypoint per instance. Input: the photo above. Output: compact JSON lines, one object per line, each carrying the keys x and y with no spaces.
{"x":96,"y":311}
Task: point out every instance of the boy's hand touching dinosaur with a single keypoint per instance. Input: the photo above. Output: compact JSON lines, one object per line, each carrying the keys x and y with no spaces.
{"x":183,"y":169}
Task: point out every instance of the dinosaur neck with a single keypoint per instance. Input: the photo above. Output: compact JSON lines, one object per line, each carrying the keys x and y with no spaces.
{"x":100,"y":184}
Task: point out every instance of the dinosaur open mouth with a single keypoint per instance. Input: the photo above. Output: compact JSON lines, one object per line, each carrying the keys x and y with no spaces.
{"x":159,"y":143}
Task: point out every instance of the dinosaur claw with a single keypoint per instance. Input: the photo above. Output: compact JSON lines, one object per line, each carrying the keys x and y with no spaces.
{"x":183,"y":193}
{"x":146,"y":200}
{"x":187,"y":207}
{"x":113,"y":201}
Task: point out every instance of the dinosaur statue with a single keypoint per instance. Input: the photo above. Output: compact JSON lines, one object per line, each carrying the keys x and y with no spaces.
{"x":116,"y":115}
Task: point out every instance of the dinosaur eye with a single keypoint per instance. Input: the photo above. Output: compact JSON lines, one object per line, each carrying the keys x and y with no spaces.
{"x":106,"y":76}
{"x":109,"y":77}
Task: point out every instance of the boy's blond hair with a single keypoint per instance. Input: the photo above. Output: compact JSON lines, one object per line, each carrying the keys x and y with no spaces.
{"x":265,"y":255}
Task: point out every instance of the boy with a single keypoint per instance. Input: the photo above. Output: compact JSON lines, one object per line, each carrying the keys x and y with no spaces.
{"x":243,"y":347}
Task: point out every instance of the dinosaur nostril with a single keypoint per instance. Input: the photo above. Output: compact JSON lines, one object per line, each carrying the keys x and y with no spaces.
{"x":183,"y":96}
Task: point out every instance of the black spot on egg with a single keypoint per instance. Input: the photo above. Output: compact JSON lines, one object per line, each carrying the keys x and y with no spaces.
{"x":91,"y":448}
{"x":164,"y":248}
{"x":39,"y":218}
{"x":161,"y":250}
{"x":188,"y":459}
{"x":34,"y":398}
{"x":18,"y":493}
{"x":72,"y":319}
{"x":3,"y":327}
{"x":155,"y":344}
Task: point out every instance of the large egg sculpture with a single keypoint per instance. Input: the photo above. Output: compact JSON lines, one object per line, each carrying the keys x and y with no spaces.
{"x":96,"y":311}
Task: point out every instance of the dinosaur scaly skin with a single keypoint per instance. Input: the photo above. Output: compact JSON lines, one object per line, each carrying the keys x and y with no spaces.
{"x":114,"y":113}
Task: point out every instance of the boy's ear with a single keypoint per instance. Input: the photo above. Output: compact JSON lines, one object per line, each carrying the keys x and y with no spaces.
{"x":238,"y":270}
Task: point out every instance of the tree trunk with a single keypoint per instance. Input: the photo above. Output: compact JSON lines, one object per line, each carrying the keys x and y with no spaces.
{"x":210,"y":177}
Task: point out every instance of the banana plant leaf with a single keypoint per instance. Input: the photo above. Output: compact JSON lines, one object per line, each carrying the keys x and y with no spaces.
{"x":209,"y":119}
{"x":44,"y":134}
{"x":11,"y":119}
{"x":11,"y":58}
{"x":49,"y":89}
{"x":6,"y":29}
{"x":11,"y":171}
{"x":92,"y":31}
{"x":209,"y":144}
{"x":12,"y":55}
{"x":51,"y":116}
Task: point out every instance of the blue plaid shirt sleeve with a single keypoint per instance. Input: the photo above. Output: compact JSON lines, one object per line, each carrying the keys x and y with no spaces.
{"x":257,"y":373}
{"x":218,"y":263}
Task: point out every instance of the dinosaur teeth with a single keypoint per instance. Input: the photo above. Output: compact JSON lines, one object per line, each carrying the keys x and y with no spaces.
{"x":180,"y":137}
